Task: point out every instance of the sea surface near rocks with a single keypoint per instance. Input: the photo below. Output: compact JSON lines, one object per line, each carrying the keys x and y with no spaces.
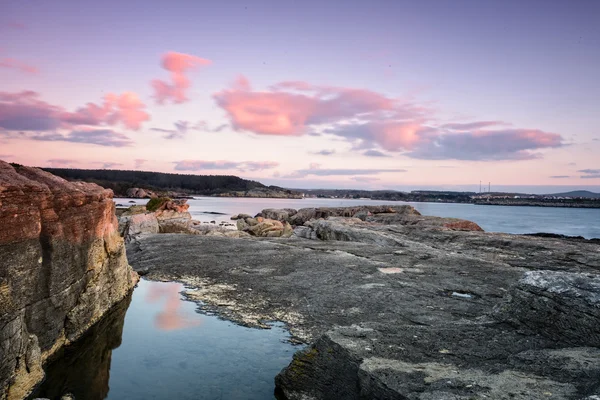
{"x":169,"y":350}
{"x":505,"y":219}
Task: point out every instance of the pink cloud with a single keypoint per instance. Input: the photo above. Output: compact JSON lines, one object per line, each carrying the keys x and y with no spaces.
{"x":138,"y":162}
{"x":12,"y":63}
{"x":178,"y":64}
{"x":288,"y":108}
{"x":62,"y":163}
{"x":126,"y":108}
{"x":24,"y":111}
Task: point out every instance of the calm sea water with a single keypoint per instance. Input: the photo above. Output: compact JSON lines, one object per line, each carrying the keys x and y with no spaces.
{"x":508,"y":219}
{"x":161,"y":348}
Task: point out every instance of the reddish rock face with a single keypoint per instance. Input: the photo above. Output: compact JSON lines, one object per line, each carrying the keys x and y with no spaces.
{"x":178,"y":205}
{"x":62,"y":266}
{"x":463,"y":225}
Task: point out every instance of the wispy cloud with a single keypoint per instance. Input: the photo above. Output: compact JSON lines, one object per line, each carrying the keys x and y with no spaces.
{"x":11,"y":63}
{"x":178,"y":64}
{"x":100,"y":137}
{"x":108,"y":165}
{"x":62,"y":163}
{"x":340,"y":172}
{"x":366,"y":179}
{"x":590,"y":173}
{"x":375,"y":153}
{"x":139,"y":162}
{"x":183,"y":127}
{"x":324,"y":152}
{"x":199,"y":165}
{"x":559,"y":176}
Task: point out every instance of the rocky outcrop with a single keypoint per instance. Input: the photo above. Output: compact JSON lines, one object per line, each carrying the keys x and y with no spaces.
{"x":264,"y":227}
{"x":62,"y":267}
{"x":170,"y":216}
{"x":388,"y":215}
{"x":139,"y":193}
{"x":404,"y":308}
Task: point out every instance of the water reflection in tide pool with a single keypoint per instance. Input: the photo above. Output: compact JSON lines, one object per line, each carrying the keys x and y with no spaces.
{"x":169,"y":351}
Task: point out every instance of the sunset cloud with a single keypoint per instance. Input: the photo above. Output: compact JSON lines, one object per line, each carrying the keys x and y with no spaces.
{"x":324,"y":152}
{"x":100,"y":137}
{"x":178,"y":64}
{"x":139,"y":162}
{"x":199,"y":165}
{"x":469,"y":126}
{"x":290,"y":108}
{"x":373,"y":122}
{"x":62,"y":163}
{"x":11,"y":63}
{"x":183,"y":127}
{"x":24,"y":111}
{"x":590,"y":173}
{"x":317,"y":171}
{"x":488,"y":145}
{"x":126,"y":108}
{"x":374,"y":153}
{"x":108,"y":165}
{"x":366,"y":179}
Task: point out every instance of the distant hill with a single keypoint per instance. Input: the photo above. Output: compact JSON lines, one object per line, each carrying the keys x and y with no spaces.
{"x":119,"y":181}
{"x":578,"y":193}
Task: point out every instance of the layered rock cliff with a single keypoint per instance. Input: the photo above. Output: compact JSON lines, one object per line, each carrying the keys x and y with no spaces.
{"x":62,"y":267}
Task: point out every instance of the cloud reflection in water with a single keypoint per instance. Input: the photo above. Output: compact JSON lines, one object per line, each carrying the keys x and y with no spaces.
{"x":170,"y":317}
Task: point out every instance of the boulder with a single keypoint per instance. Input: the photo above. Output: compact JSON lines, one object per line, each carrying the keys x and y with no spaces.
{"x":462,"y":225}
{"x":278,"y":214}
{"x":177,"y":205}
{"x":170,"y":221}
{"x":138,"y":193}
{"x":240,"y":216}
{"x":137,"y":224}
{"x":264,"y":227}
{"x":241,"y":224}
{"x":363,"y":212}
{"x":62,"y":267}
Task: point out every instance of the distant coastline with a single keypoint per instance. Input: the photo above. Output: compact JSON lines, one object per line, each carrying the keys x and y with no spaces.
{"x":146,"y":184}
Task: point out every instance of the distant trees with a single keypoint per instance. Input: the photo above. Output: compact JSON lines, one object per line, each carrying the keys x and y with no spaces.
{"x":119,"y":181}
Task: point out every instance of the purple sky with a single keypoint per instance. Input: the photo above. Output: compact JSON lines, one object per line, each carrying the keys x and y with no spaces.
{"x":379,"y":95}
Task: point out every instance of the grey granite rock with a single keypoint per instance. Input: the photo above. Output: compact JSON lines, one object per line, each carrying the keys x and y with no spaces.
{"x":399,"y":310}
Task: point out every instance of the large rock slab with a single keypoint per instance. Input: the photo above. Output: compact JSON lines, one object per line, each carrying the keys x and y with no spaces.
{"x":400,"y":308}
{"x":62,"y":266}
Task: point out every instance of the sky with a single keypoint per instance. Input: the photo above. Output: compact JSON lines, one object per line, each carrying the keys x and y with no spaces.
{"x":312,"y":94}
